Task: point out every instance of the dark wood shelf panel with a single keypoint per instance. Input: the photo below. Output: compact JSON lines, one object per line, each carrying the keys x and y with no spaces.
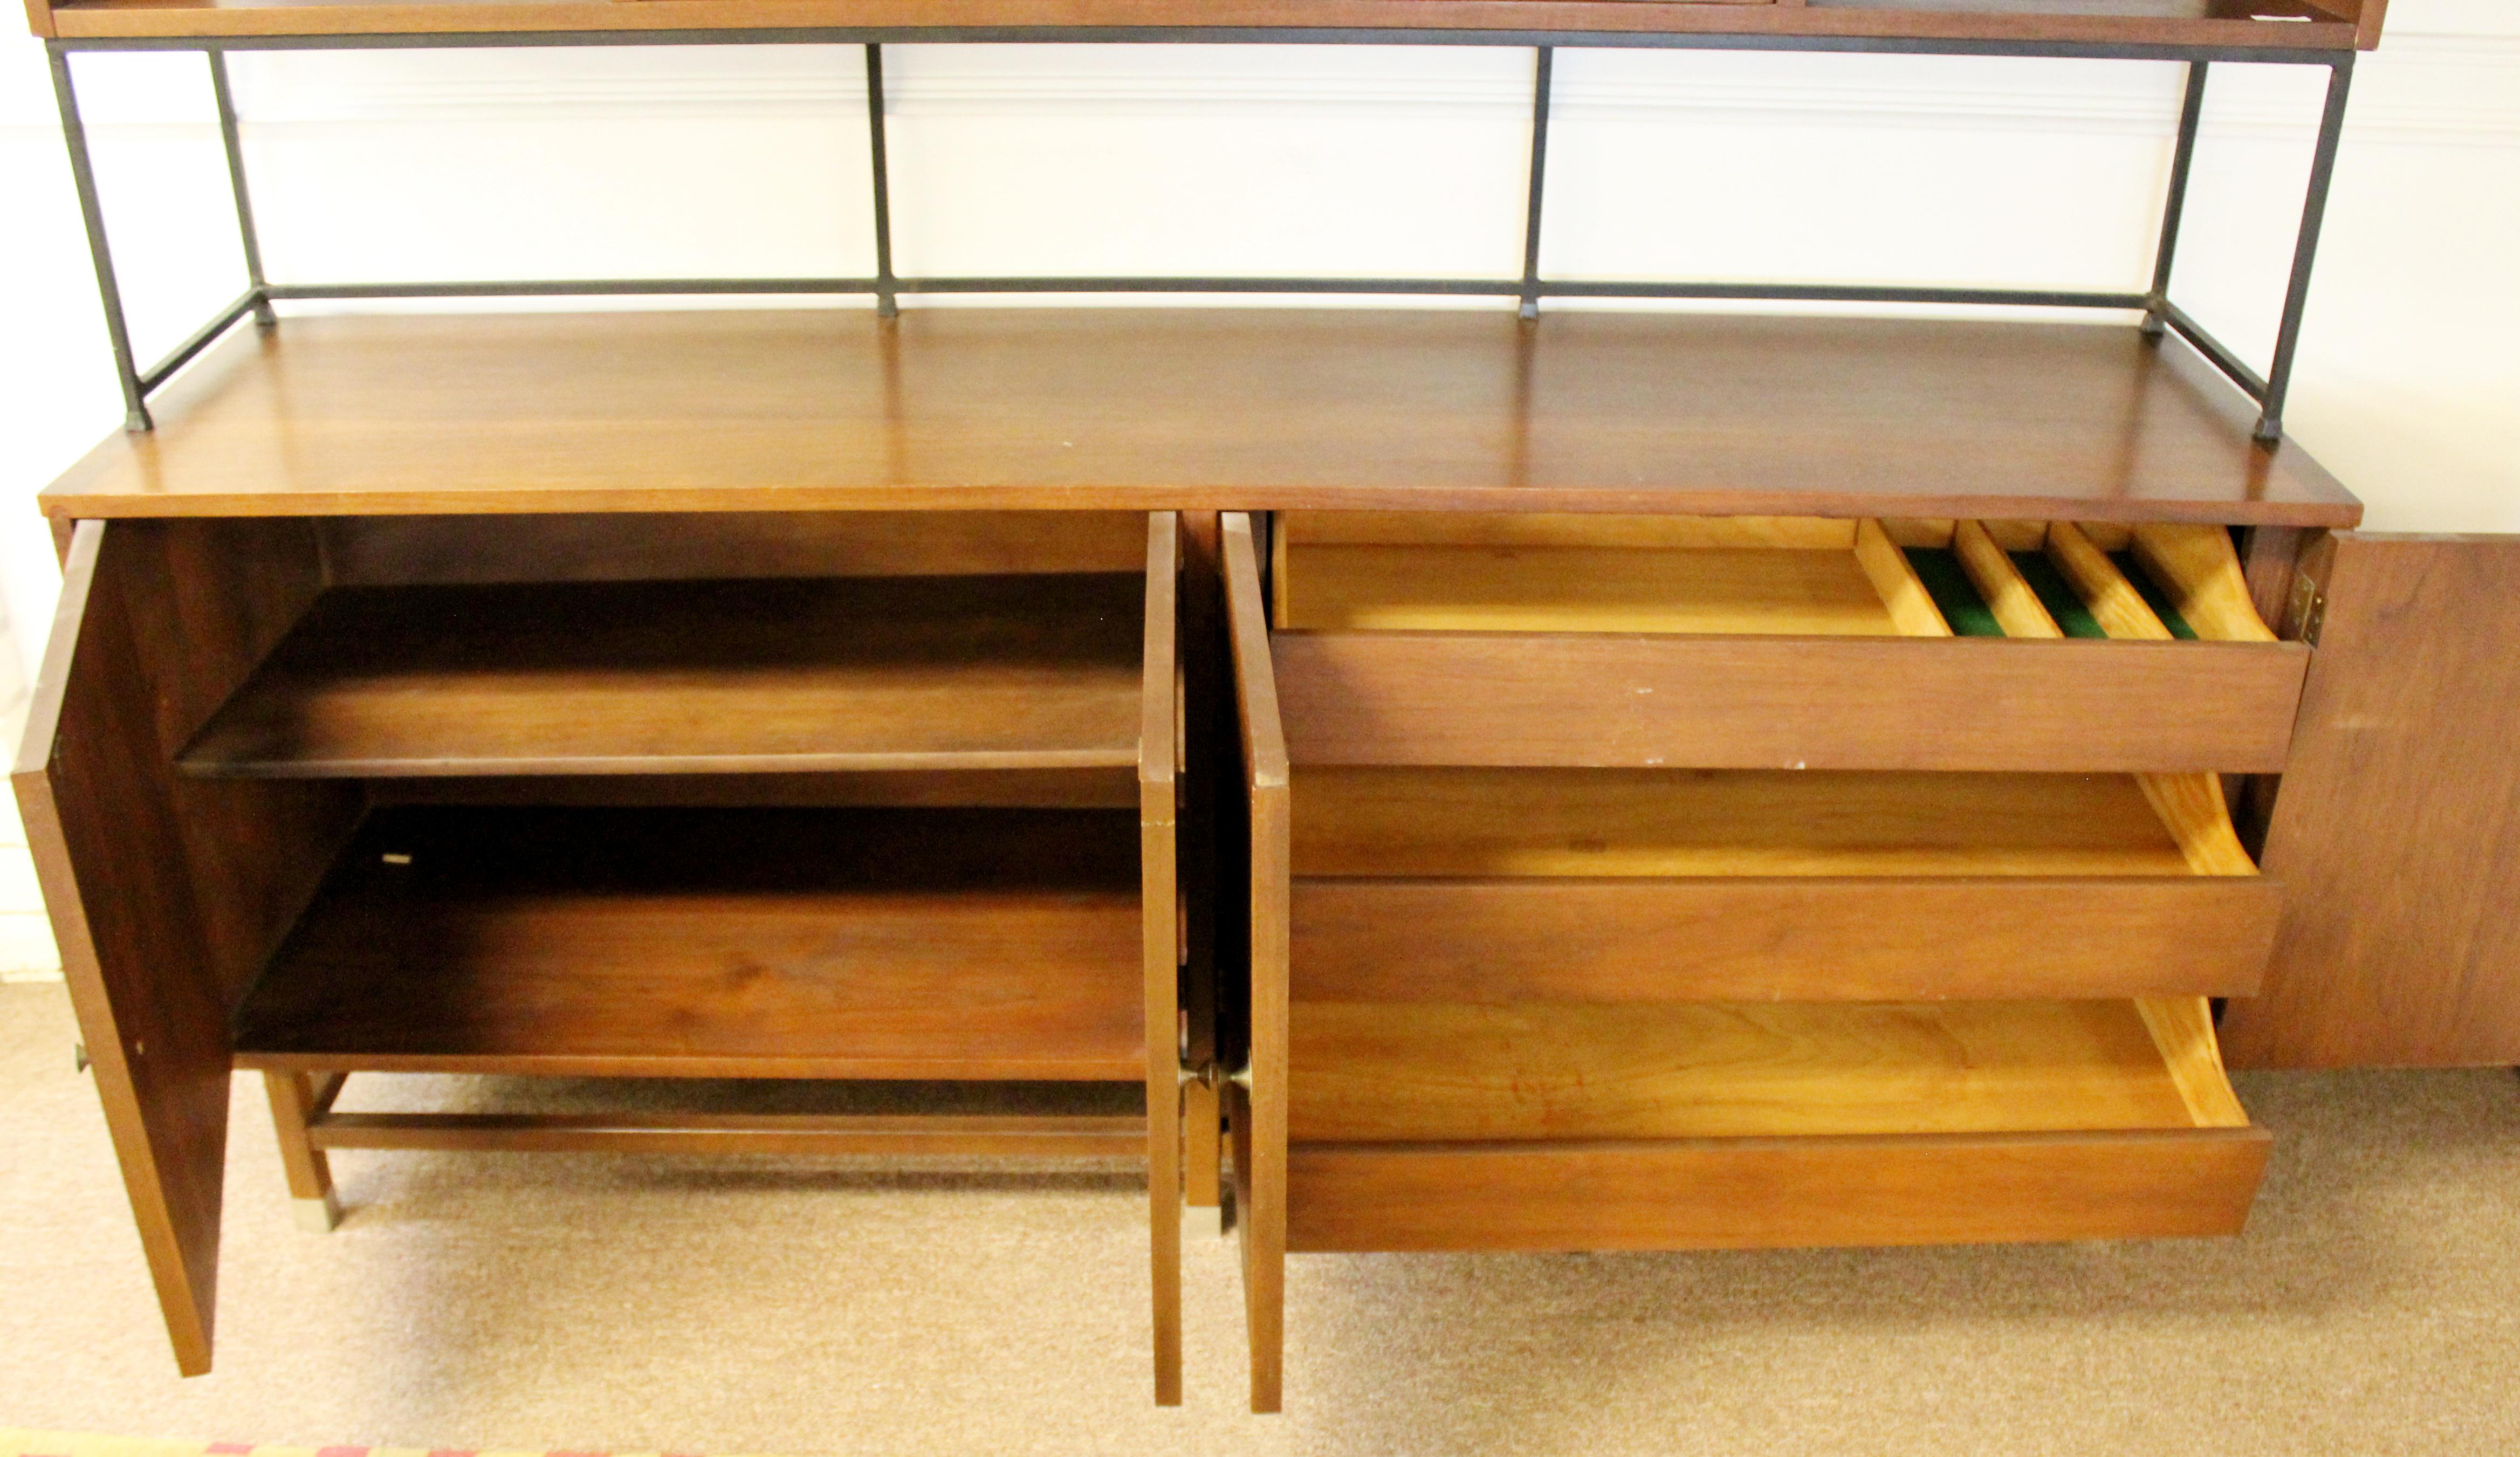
{"x":849,"y":674}
{"x":1197,"y":409}
{"x":930,"y":944}
{"x":2327,"y":24}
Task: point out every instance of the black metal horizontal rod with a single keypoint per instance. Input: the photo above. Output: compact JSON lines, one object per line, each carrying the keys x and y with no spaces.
{"x":1846,"y":293}
{"x":1093,"y":283}
{"x":1166,"y":284}
{"x":1216,"y":35}
{"x":572,"y":287}
{"x":2215,"y":350}
{"x":182,"y":355}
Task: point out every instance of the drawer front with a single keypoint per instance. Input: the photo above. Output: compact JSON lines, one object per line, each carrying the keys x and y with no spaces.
{"x":1784,"y":938}
{"x":1773,"y":1193}
{"x":1820,"y":703}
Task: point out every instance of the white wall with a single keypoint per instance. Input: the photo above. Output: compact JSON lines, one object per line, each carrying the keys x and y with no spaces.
{"x":1327,"y":160}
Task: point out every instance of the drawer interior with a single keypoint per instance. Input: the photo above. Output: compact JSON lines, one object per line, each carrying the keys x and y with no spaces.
{"x":1396,"y":572}
{"x":1407,"y":821}
{"x":1363,"y":571}
{"x":1453,"y":1071}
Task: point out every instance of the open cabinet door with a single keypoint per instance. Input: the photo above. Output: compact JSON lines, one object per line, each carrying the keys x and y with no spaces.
{"x":2396,"y":829}
{"x":1256,"y":1101}
{"x":164,"y":894}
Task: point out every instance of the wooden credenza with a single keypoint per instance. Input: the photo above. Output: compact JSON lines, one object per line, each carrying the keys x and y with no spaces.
{"x":1612,"y":780}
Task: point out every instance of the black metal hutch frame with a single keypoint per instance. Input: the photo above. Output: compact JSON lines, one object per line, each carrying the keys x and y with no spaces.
{"x":2161,"y":315}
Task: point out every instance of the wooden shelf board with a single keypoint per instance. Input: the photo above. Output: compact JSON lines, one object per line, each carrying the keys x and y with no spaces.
{"x":1460,"y":822}
{"x":929,"y":943}
{"x":1218,"y":408}
{"x":1399,"y":1071}
{"x":983,"y":672}
{"x":2121,"y":21}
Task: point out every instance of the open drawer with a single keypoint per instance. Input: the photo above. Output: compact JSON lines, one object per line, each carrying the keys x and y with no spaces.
{"x":1656,"y":884}
{"x":1535,"y":969}
{"x":1766,"y":642}
{"x":1535,"y":1126}
{"x":1790,"y":1008}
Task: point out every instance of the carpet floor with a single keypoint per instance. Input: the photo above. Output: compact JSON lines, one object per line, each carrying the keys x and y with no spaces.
{"x":799,"y":1306}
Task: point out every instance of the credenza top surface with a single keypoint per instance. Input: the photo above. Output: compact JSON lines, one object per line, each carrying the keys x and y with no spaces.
{"x":1192,"y":408}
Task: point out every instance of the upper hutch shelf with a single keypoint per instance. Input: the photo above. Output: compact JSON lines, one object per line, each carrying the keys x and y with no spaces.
{"x":2275,"y":24}
{"x":1144,"y":409}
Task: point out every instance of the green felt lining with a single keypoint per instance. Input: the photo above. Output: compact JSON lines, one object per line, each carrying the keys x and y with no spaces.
{"x":2132,"y":569}
{"x":1951,"y":590}
{"x":2056,"y":595}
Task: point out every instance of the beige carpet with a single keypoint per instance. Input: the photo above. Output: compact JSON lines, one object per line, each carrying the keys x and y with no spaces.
{"x":792,"y":1306}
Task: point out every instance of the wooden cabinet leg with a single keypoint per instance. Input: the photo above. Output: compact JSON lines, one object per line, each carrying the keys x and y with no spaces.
{"x":1163,"y":1189}
{"x":295,"y":1102}
{"x":1202,"y":1158}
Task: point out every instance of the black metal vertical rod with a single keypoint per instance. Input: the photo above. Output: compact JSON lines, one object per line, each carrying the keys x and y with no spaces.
{"x":2182,"y":158}
{"x":2305,"y":250}
{"x":1541,"y":79}
{"x":135,"y":409}
{"x":887,"y":302}
{"x":262,"y":314}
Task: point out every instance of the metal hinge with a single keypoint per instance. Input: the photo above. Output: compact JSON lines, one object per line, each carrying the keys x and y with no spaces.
{"x":2307,"y":613}
{"x":1210,"y":1074}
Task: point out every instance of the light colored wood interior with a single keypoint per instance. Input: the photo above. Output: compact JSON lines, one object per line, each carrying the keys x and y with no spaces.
{"x":2114,"y":603}
{"x":1544,"y":572}
{"x":2183,"y":1027}
{"x":1581,"y":589}
{"x":1562,"y":529}
{"x":2200,"y":570}
{"x":1375,"y":1071}
{"x":1391,"y":821}
{"x":1924,"y":531}
{"x":2008,"y":596}
{"x":1886,"y":567}
{"x":2190,"y":805}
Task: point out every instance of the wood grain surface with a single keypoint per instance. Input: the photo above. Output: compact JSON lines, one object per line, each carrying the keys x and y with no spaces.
{"x":1579,"y":589}
{"x":1616,"y":822}
{"x":1755,"y":702}
{"x":973,"y":672}
{"x":1154,"y":409}
{"x":1161,"y":938}
{"x":635,"y":546}
{"x":932,"y":943}
{"x":1450,"y":1071}
{"x":165,"y":895}
{"x":1775,"y":1193}
{"x":1806,"y":938}
{"x":2398,"y":824}
{"x":1259,"y":1100}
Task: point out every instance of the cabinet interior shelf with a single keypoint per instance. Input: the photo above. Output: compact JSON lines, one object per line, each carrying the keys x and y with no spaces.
{"x":691,"y":677}
{"x":766,"y":942}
